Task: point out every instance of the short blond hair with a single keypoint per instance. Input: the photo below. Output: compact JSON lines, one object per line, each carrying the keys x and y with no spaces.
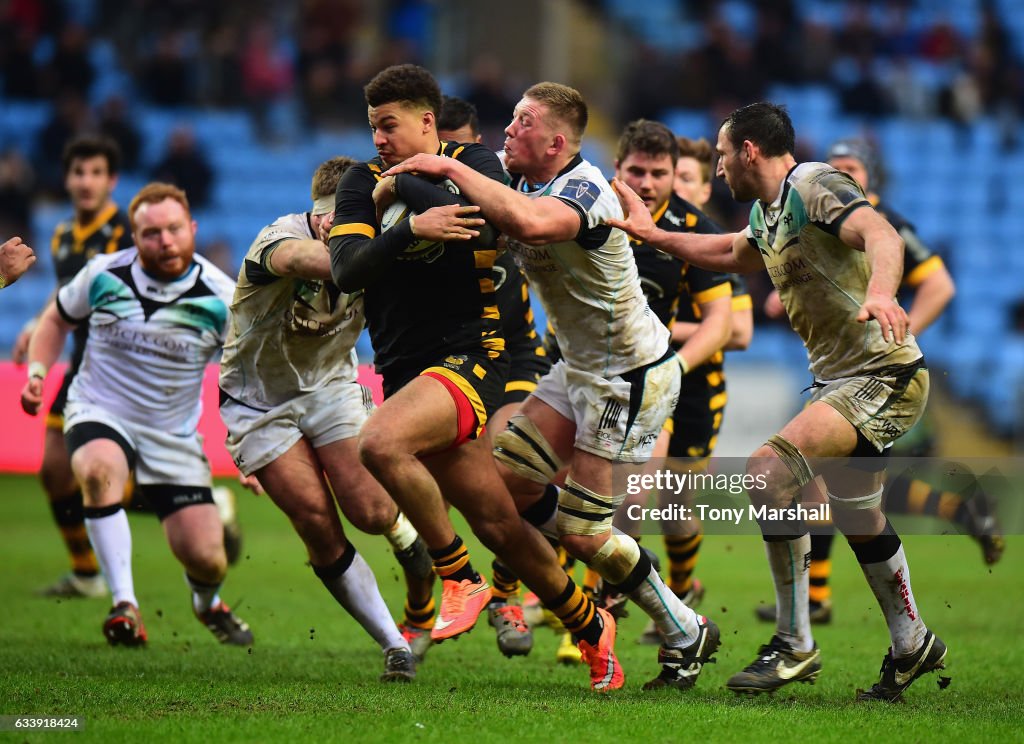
{"x":699,"y":150}
{"x":154,"y":193}
{"x":327,"y":176}
{"x":565,"y":104}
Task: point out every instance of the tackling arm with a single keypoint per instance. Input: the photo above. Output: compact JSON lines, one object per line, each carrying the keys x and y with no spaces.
{"x":532,"y":221}
{"x":726,"y":252}
{"x":303,"y":259}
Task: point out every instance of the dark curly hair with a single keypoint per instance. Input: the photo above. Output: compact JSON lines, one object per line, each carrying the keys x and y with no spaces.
{"x":404,"y":84}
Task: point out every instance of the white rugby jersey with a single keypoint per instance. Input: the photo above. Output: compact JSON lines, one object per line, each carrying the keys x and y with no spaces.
{"x":149,"y":340}
{"x":822,"y":282}
{"x":288,"y":336}
{"x":589,"y":286}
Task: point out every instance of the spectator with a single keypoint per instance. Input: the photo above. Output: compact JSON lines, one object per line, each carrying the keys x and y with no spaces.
{"x":941,"y":43}
{"x":267,"y":73}
{"x":17,"y":188}
{"x":17,"y":64}
{"x":186,"y":167}
{"x":773,"y":49}
{"x":857,"y":37}
{"x":165,"y":78}
{"x":71,"y":116}
{"x":488,"y":93}
{"x":71,"y":68}
{"x":114,"y":122}
{"x":221,"y":67}
{"x":817,"y":52}
{"x":864,"y":95}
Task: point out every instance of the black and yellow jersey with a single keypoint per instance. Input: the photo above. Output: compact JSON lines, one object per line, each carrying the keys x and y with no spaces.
{"x":74,"y":244}
{"x":514,"y":304}
{"x":918,"y":260}
{"x":420,"y":304}
{"x":710,"y":377}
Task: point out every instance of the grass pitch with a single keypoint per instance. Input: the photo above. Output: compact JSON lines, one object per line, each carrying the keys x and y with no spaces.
{"x":312,"y":673}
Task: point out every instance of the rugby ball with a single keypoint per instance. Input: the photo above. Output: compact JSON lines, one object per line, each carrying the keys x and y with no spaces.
{"x":421,"y":250}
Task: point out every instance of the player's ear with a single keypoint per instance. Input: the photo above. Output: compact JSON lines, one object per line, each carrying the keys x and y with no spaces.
{"x":558,"y":143}
{"x":429,"y":121}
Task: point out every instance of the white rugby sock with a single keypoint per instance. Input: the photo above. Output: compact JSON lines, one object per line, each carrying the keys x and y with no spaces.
{"x":676,"y":621}
{"x":355,"y":588}
{"x":621,"y":562}
{"x":790,"y":563}
{"x":111,"y":539}
{"x":204,"y":596}
{"x":890,"y":581}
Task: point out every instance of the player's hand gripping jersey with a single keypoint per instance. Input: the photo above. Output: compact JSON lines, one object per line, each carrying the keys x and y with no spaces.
{"x":418,"y":303}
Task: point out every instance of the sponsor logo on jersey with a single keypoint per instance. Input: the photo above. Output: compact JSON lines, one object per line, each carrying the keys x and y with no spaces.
{"x":581,"y":191}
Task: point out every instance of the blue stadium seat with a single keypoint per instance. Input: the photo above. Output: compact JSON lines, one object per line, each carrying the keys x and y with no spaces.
{"x":689,"y":123}
{"x":20,"y":122}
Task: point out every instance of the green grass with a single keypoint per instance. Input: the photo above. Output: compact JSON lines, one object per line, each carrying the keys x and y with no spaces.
{"x":312,"y":673}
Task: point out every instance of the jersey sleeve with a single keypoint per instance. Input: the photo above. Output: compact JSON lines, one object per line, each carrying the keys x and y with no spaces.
{"x":582,"y":194}
{"x":593,"y":200}
{"x":74,"y":299}
{"x":741,"y":299}
{"x":256,"y":264}
{"x":918,"y":260}
{"x":830,"y":197}
{"x":704,"y":286}
{"x":748,"y":233}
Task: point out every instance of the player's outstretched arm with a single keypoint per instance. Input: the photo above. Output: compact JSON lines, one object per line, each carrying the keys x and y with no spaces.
{"x":726,"y":252}
{"x":43,"y":350}
{"x":637,"y":221}
{"x":533,"y":221}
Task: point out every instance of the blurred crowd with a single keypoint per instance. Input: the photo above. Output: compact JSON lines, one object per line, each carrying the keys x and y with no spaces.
{"x":300,"y":66}
{"x":881,"y":57}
